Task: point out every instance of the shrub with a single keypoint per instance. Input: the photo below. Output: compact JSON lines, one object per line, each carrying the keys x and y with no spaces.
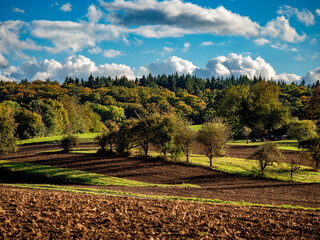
{"x":267,"y":155}
{"x":69,"y":141}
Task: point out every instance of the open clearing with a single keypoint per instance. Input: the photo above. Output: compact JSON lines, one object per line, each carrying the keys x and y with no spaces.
{"x":42,"y":214}
{"x":213,"y":184}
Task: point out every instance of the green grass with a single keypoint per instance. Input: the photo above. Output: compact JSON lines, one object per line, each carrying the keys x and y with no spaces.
{"x":171,"y":198}
{"x":55,"y":139}
{"x":245,"y":167}
{"x":196,"y":127}
{"x":75,"y":176}
{"x":291,"y":145}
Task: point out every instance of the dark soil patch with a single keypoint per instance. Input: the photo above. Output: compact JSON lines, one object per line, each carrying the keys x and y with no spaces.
{"x":214,"y":184}
{"x":41,"y":214}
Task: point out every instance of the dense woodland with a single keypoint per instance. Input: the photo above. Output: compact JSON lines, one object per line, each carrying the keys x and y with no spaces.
{"x":78,"y":106}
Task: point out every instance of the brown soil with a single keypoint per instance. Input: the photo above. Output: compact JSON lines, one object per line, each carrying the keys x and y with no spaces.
{"x":213,"y":184}
{"x":40,"y":214}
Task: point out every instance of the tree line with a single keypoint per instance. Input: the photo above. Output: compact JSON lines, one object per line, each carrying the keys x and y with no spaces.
{"x":252,"y":108}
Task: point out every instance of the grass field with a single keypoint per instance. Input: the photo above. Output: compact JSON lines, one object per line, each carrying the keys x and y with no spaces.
{"x":291,"y":145}
{"x":56,"y":139}
{"x":245,"y":167}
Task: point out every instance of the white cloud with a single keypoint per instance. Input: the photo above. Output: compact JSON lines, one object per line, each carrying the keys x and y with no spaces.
{"x":206,"y":44}
{"x":186,"y":47}
{"x":112,"y":53}
{"x":95,"y":50}
{"x":10,"y":37}
{"x":3,"y":61}
{"x":170,"y":65}
{"x":280,"y":28}
{"x":73,"y":66}
{"x":182,"y":17}
{"x":312,"y":76}
{"x":304,"y":16}
{"x":167,"y":49}
{"x":236,"y":65}
{"x":94,"y":14}
{"x":17,"y":10}
{"x":284,"y":46}
{"x":66,"y":7}
{"x":261,"y":41}
{"x":67,"y":35}
{"x":318,"y":11}
{"x":288,"y":77}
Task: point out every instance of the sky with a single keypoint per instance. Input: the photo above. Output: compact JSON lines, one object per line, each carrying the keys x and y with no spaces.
{"x":275,"y":39}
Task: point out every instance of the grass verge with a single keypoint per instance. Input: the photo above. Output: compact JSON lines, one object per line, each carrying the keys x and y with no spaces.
{"x":84,"y":137}
{"x":144,"y":196}
{"x":249,"y":168}
{"x":291,"y":145}
{"x":68,"y":176}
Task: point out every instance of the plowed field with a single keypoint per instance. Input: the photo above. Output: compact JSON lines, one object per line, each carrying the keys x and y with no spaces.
{"x":213,"y":184}
{"x":40,"y":214}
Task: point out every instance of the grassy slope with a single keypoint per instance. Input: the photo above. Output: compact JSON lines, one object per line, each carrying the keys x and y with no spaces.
{"x":245,"y":167}
{"x":55,"y":139}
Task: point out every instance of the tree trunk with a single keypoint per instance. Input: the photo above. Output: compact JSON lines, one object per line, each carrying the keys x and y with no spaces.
{"x":145,"y":148}
{"x":247,"y":140}
{"x":210,"y":161}
{"x":110,"y":146}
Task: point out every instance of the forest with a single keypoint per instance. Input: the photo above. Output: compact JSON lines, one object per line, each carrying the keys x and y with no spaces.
{"x":44,"y":108}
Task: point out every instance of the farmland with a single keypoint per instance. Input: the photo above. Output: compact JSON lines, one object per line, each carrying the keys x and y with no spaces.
{"x":148,"y":197}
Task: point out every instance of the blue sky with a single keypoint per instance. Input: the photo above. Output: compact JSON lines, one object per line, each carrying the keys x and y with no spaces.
{"x":53,"y":39}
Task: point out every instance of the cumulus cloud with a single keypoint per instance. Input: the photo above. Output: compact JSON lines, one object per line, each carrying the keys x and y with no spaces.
{"x":179,"y":15}
{"x":318,"y":11}
{"x":68,"y":35}
{"x":261,"y":41}
{"x":66,"y":7}
{"x":170,"y":65}
{"x":280,"y":28}
{"x":304,"y":16}
{"x":73,"y":66}
{"x":236,"y":65}
{"x":312,"y":76}
{"x":112,"y":53}
{"x":10,"y":37}
{"x":94,"y":14}
{"x":287,"y":77}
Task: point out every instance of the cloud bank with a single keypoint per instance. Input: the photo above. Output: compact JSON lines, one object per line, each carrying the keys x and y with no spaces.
{"x":81,"y":67}
{"x":73,"y":66}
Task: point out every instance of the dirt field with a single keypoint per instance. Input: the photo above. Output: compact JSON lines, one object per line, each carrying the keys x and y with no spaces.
{"x":214,"y":184}
{"x":40,"y":214}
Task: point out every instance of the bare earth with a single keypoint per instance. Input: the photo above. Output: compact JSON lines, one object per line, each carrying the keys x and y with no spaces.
{"x":41,"y":214}
{"x":214,"y":184}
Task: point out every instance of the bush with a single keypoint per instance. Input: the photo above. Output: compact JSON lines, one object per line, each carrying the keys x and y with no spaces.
{"x":67,"y":142}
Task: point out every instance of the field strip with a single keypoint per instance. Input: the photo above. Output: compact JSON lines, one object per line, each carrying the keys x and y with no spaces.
{"x":76,"y":176}
{"x":156,"y":197}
